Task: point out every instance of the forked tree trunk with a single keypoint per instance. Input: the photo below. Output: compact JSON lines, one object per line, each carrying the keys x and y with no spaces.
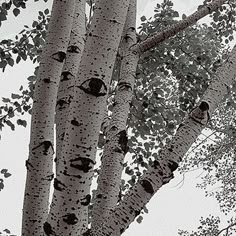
{"x":161,"y":172}
{"x":72,"y":184}
{"x":41,"y":148}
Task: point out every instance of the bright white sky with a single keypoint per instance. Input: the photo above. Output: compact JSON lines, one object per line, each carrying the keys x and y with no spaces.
{"x":171,"y":209}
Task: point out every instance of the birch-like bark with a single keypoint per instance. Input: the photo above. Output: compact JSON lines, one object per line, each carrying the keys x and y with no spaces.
{"x":41,"y":148}
{"x":115,"y":147}
{"x":174,"y":29}
{"x":66,"y":86}
{"x":72,"y":184}
{"x":69,"y":72}
{"x":162,"y":170}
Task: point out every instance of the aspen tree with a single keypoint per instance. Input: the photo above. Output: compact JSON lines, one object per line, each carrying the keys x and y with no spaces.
{"x":41,"y":148}
{"x":112,"y":159}
{"x":70,"y":70}
{"x":77,"y":149}
{"x":74,"y":174}
{"x":66,"y":88}
{"x":115,"y":148}
{"x":161,"y":172}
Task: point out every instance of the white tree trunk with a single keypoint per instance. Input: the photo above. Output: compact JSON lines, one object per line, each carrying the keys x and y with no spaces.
{"x":181,"y":25}
{"x":72,"y":184}
{"x":162,"y":170}
{"x":41,"y":148}
{"x":115,"y":147}
{"x":66,"y":88}
{"x":69,"y":72}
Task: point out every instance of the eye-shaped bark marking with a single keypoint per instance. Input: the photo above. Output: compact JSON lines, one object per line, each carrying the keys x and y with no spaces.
{"x":66,"y":75}
{"x":147,"y":186}
{"x":58,"y":185}
{"x":75,"y":122}
{"x":46,"y":144}
{"x":46,"y":80}
{"x":48,"y":229}
{"x":86,"y":200}
{"x":94,"y":86}
{"x":123,"y":141}
{"x":200,"y":114}
{"x":49,"y":177}
{"x":70,"y":219}
{"x":124,"y":86}
{"x":28,"y":165}
{"x":82,"y":163}
{"x":61,"y":102}
{"x":172,"y":165}
{"x":73,"y":49}
{"x":76,"y":176}
{"x":59,"y":56}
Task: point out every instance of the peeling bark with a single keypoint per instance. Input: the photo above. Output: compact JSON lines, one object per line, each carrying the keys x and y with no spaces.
{"x":39,"y":163}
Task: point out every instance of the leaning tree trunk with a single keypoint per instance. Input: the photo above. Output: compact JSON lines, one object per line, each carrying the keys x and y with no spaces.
{"x":161,"y":172}
{"x":41,"y":148}
{"x":115,"y":147}
{"x":72,"y":184}
{"x":153,"y":41}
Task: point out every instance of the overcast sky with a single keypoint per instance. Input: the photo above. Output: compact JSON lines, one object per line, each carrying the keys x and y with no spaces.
{"x":170,"y":209}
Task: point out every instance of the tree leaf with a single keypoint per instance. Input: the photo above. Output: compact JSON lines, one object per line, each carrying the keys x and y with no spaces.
{"x":16,"y":11}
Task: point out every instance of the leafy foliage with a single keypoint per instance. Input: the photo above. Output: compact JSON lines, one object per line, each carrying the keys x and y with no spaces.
{"x":210,"y":227}
{"x":27,"y":45}
{"x":223,"y":20}
{"x":170,"y":80}
{"x":5,"y":174}
{"x":6,"y":232}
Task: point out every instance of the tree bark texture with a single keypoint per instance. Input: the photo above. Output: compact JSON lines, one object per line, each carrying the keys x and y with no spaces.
{"x":72,"y":184}
{"x":115,"y":147}
{"x":41,"y":148}
{"x":162,"y":170}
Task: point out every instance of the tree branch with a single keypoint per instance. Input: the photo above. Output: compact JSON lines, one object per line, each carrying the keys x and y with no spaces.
{"x":176,"y":28}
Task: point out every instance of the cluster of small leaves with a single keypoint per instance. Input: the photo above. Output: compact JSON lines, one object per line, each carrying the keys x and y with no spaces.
{"x":5,"y":174}
{"x":14,"y":5}
{"x":224,"y":20}
{"x":27,"y":45}
{"x":6,"y":232}
{"x":170,"y":80}
{"x":18,"y":105}
{"x":210,"y":226}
